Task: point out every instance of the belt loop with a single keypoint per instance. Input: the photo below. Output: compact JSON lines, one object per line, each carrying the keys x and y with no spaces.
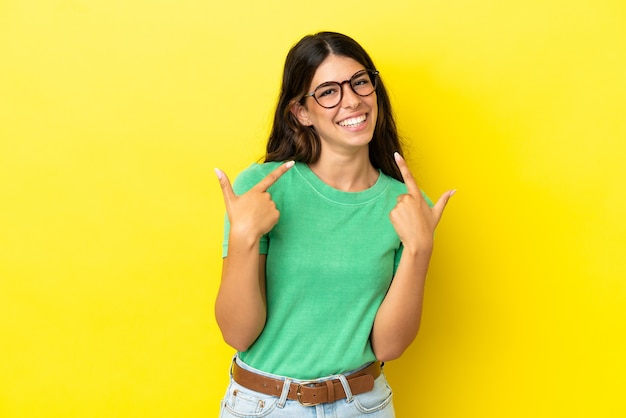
{"x":283,"y":395}
{"x":232,"y":363}
{"x":331,"y":391}
{"x":346,"y":387}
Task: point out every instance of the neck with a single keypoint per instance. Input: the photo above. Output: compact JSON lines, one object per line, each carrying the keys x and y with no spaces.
{"x":349,"y":173}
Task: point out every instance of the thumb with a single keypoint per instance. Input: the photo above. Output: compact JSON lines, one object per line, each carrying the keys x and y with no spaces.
{"x":441,"y":204}
{"x":227,"y":189}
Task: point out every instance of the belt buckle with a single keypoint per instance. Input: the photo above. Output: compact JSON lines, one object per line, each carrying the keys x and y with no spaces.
{"x":299,"y":394}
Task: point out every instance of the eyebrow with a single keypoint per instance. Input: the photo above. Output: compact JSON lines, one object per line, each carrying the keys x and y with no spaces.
{"x":339,"y":82}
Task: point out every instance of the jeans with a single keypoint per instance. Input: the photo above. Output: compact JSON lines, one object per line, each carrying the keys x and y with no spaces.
{"x":240,"y":402}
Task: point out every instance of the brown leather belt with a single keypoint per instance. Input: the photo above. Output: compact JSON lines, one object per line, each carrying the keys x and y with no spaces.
{"x":309,"y":394}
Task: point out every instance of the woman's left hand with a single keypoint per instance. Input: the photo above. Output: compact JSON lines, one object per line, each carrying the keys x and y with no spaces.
{"x":413,"y":219}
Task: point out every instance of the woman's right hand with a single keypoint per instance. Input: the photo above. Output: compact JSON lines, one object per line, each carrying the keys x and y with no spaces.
{"x":253,"y":212}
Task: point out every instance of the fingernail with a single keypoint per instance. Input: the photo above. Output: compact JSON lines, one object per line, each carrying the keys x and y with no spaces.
{"x":452,"y":192}
{"x":396,"y":155}
{"x":290,"y":164}
{"x":219,"y":173}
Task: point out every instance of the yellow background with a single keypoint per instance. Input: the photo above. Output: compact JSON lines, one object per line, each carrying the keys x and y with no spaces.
{"x":114,"y":113}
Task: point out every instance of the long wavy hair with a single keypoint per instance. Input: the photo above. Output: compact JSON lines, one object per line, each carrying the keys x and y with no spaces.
{"x":290,"y":140}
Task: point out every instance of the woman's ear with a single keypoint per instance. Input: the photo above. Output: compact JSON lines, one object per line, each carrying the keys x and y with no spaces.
{"x":300,"y":113}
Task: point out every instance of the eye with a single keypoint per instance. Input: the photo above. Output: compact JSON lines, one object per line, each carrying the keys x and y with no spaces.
{"x":362,"y":80}
{"x":325,"y":91}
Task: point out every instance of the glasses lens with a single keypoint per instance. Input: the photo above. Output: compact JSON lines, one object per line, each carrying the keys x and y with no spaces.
{"x":328,"y":94}
{"x":363,"y":83}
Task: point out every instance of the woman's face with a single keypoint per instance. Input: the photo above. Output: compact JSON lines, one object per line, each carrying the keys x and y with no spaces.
{"x":349,"y":126}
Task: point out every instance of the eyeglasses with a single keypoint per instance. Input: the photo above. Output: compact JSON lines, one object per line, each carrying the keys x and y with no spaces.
{"x":329,"y":94}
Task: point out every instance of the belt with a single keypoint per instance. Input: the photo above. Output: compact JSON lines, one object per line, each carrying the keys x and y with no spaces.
{"x":307,"y":393}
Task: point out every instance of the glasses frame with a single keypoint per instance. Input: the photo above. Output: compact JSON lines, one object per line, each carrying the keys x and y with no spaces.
{"x":373,"y":77}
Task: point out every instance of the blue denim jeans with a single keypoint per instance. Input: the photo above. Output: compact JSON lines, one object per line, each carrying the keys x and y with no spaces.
{"x":241,"y":402}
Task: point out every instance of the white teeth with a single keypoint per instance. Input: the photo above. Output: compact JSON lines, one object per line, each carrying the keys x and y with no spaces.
{"x":351,"y":122}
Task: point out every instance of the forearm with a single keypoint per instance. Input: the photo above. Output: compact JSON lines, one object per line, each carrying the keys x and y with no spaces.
{"x":398,"y":319}
{"x":240,"y":307}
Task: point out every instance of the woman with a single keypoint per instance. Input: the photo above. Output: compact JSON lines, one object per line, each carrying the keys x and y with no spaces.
{"x":326,"y":247}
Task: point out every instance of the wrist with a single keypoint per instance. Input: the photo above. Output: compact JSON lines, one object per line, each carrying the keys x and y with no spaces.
{"x":240,"y":235}
{"x":418,"y":252}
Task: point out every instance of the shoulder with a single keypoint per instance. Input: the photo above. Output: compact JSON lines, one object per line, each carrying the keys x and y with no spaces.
{"x":395,"y":185}
{"x":253,"y":174}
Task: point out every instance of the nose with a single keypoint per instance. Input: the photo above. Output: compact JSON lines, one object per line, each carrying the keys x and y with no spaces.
{"x":349,"y":98}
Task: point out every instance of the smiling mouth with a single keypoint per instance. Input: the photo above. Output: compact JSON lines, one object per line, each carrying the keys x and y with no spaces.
{"x":353,"y":122}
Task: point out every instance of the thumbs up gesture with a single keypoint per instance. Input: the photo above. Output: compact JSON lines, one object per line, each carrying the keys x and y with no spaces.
{"x":253,"y":212}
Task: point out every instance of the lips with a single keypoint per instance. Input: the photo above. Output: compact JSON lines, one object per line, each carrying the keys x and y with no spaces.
{"x":353,"y":122}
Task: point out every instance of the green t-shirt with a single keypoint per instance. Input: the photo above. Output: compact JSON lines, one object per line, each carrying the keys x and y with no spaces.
{"x":330,"y":260}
